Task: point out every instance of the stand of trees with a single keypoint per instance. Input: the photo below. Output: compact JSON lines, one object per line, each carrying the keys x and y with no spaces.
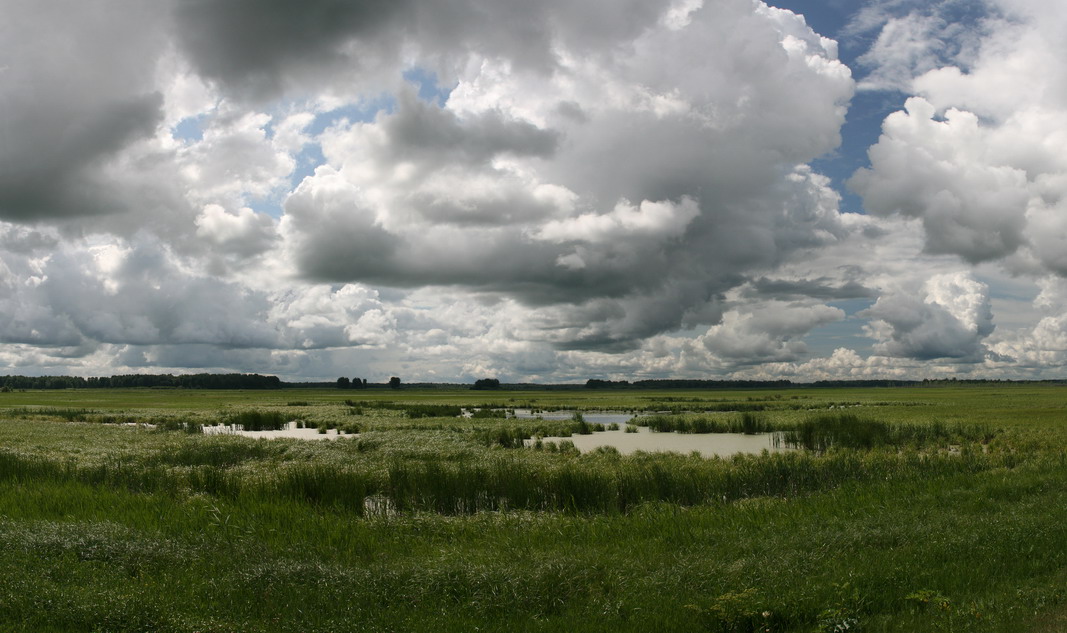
{"x":189,"y":381}
{"x":355,"y":383}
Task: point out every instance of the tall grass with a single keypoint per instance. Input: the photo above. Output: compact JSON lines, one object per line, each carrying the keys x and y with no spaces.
{"x":515,"y":433}
{"x":258,"y":420}
{"x":433,"y":410}
{"x":538,"y":481}
{"x":850,"y":431}
{"x":747,"y":423}
{"x":418,"y":410}
{"x":71,"y":415}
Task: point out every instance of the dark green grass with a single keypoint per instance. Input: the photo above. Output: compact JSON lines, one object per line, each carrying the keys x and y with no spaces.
{"x":823,"y":432}
{"x":258,"y":420}
{"x":116,"y":560}
{"x":747,"y":423}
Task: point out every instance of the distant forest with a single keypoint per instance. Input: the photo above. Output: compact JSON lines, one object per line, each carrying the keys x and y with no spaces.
{"x":257,"y":381}
{"x":188,"y":381}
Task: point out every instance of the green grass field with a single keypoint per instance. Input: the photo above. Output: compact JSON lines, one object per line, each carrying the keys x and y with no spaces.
{"x":941,"y":508}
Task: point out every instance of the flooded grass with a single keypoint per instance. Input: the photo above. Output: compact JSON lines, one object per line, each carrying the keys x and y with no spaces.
{"x":627,"y":442}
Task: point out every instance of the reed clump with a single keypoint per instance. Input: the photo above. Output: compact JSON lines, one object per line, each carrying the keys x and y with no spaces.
{"x":258,"y":420}
{"x":746,"y":423}
{"x":846,"y":430}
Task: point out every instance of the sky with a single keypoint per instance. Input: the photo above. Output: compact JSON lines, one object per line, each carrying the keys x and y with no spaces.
{"x":550,"y":191}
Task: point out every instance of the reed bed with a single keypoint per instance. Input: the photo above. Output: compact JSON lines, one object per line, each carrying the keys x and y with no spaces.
{"x":746,"y":423}
{"x":595,"y":483}
{"x":515,"y":434}
{"x":850,"y":431}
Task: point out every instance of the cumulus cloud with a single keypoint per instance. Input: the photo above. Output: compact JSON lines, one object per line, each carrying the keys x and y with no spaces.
{"x":974,"y":154}
{"x":540,"y":191}
{"x":245,"y":231}
{"x":946,"y":173}
{"x":771,"y":334}
{"x":949,"y":318}
{"x":521,"y":182}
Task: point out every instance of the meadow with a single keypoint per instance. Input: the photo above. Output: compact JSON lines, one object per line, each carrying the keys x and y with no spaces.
{"x":940,"y":508}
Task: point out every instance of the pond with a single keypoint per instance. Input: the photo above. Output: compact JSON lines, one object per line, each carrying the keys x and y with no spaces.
{"x":601,"y":417}
{"x":290,"y":431}
{"x":707,"y":444}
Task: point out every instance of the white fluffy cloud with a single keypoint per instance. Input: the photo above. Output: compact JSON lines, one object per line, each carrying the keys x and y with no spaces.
{"x":948,"y":317}
{"x":976,"y":155}
{"x":521,"y":182}
{"x":971,"y":201}
{"x":771,"y":334}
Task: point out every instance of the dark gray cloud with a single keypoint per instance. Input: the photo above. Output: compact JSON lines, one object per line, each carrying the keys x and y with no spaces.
{"x":75,"y":90}
{"x":813,"y":288}
{"x":58,"y":177}
{"x":253,"y":47}
{"x":260,"y":49}
{"x":429,"y":135}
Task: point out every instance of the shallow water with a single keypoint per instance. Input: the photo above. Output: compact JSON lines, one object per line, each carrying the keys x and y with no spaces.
{"x":611,"y":417}
{"x":707,"y":444}
{"x":290,"y":431}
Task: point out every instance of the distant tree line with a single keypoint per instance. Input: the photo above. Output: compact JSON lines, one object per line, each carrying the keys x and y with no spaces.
{"x":257,"y":381}
{"x":595,"y":383}
{"x":187,"y":381}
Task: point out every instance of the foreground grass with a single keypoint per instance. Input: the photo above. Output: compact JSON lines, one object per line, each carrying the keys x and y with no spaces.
{"x":120,"y":528}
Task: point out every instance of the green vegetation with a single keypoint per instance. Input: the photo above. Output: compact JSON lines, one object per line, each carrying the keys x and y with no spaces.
{"x":257,"y":420}
{"x":938,"y":508}
{"x":745,"y":423}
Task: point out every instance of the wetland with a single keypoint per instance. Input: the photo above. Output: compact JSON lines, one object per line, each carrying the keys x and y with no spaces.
{"x":936,"y":508}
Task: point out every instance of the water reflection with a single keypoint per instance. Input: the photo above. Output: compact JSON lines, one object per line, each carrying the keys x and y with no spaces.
{"x":602,"y":417}
{"x":707,"y":444}
{"x":290,"y":431}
